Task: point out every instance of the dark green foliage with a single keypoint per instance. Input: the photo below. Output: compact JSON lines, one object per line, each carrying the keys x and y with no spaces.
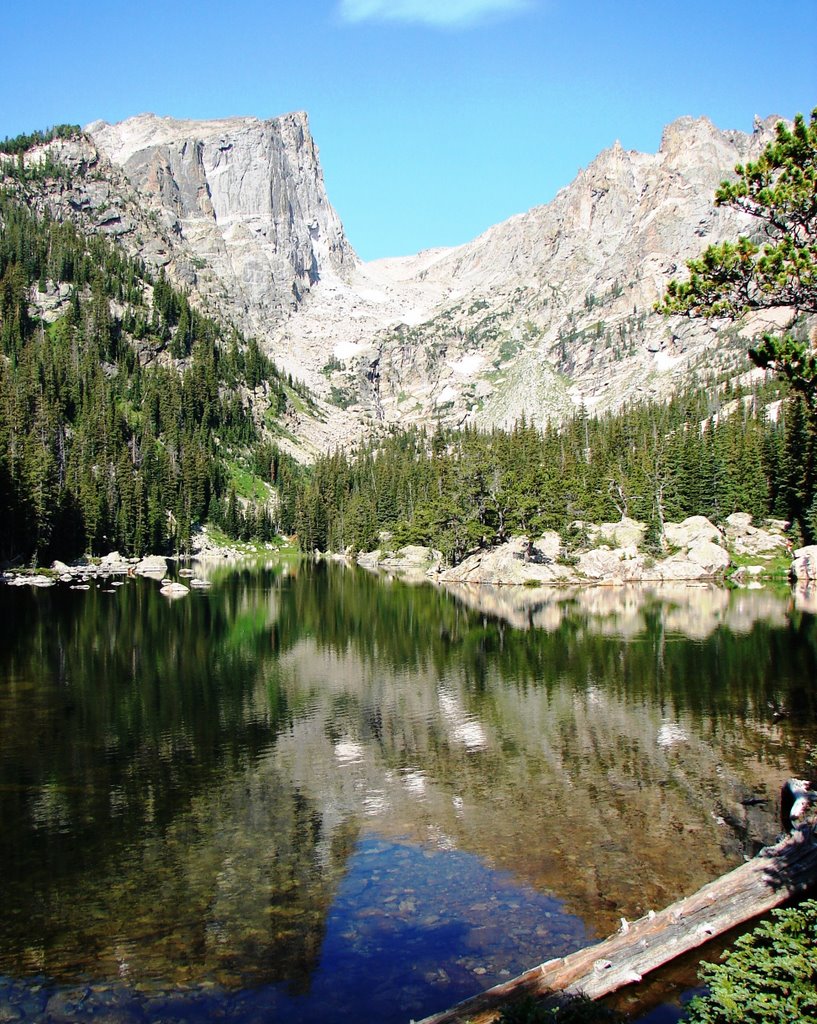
{"x":101,"y":446}
{"x":458,"y":491}
{"x":769,"y":977}
{"x":22,"y":143}
{"x":577,"y":1010}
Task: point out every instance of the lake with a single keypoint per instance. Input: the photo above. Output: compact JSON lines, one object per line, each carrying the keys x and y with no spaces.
{"x":309,"y":794}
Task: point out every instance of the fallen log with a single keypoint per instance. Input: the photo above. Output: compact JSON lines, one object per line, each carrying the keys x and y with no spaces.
{"x":775,"y":875}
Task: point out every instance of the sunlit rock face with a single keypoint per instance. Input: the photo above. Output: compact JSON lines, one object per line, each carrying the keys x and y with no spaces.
{"x":552,"y":308}
{"x":247,"y":196}
{"x":543,"y":312}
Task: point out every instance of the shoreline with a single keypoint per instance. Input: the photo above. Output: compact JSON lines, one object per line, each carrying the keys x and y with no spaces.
{"x":112,"y":567}
{"x":695,"y":551}
{"x":614,"y":554}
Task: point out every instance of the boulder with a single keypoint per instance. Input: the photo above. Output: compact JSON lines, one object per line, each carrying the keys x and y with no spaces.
{"x":153,"y":565}
{"x":173,"y":589}
{"x":370,"y":559}
{"x":412,"y":556}
{"x":509,"y":563}
{"x":625,"y":533}
{"x":703,"y":560}
{"x":692,"y":530}
{"x":804,"y":565}
{"x":33,"y":580}
{"x":114,"y":562}
{"x":616,"y":565}
{"x":549,"y":546}
{"x":746,"y":539}
{"x":712,"y":558}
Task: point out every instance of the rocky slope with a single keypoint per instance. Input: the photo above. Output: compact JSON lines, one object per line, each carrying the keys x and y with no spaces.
{"x":552,"y":308}
{"x":233,"y":211}
{"x":545,"y":312}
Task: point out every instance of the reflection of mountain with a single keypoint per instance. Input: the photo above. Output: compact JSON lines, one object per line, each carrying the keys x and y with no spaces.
{"x":613,"y":805}
{"x":181,"y":785}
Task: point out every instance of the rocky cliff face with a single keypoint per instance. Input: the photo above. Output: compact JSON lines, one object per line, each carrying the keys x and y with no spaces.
{"x":245,"y":196}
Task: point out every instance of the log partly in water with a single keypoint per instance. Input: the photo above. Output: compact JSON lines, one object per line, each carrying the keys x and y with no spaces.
{"x":774,"y":876}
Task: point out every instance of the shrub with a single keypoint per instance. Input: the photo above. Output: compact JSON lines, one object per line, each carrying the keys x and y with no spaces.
{"x":769,"y":977}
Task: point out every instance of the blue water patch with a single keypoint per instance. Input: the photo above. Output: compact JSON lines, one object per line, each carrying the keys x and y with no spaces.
{"x":411,"y":930}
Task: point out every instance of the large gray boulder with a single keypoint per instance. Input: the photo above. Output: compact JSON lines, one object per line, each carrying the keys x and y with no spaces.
{"x":611,"y":565}
{"x":511,"y":563}
{"x":692,"y":530}
{"x":746,"y":539}
{"x":703,"y":560}
{"x":411,"y":558}
{"x":370,"y":559}
{"x":114,"y":563}
{"x":623,"y":534}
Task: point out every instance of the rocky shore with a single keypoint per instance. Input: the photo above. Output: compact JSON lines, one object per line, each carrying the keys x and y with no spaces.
{"x":612,"y":554}
{"x":113,"y":569}
{"x":695,"y":550}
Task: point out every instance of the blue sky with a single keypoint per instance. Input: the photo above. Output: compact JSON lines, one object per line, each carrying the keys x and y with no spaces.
{"x":434,"y":118}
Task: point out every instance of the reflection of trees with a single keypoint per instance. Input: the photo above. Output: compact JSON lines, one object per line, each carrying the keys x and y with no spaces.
{"x":596,"y":762}
{"x":129,"y":732}
{"x":188,"y":777}
{"x":160,"y":691}
{"x":747,"y":651}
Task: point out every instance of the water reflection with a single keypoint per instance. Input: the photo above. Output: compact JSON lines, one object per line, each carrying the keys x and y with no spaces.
{"x":300,"y":766}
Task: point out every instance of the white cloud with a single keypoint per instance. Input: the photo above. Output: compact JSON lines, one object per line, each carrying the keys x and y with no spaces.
{"x":430,"y":12}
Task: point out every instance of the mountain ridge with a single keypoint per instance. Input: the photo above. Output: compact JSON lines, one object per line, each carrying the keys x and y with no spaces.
{"x":524,"y":300}
{"x":543,"y":313}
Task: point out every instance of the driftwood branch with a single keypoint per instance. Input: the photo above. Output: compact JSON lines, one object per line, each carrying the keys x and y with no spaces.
{"x":774,"y":876}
